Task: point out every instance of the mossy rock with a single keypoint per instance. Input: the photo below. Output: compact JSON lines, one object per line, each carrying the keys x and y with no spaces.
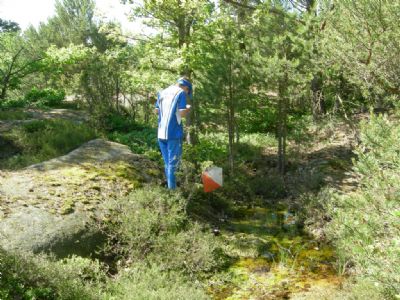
{"x":50,"y":204}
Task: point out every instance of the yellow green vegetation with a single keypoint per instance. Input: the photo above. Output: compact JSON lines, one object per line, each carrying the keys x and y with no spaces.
{"x":79,"y":186}
{"x":273,"y":258}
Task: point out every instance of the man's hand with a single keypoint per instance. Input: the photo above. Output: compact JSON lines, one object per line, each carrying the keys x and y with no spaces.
{"x":156,"y":111}
{"x":184,"y":112}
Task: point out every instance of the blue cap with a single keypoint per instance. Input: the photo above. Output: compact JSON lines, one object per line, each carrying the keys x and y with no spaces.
{"x":185,"y":82}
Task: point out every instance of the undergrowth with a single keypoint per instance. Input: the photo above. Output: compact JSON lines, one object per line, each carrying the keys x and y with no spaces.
{"x":42,"y":140}
{"x":364,"y":225}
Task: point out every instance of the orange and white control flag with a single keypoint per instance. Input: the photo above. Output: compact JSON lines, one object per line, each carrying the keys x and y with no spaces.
{"x":212,"y":179}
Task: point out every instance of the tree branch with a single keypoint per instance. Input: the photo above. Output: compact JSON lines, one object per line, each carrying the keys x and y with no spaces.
{"x":235,"y":3}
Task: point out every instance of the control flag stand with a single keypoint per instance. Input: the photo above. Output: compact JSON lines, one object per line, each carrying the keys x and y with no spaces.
{"x":212,"y":179}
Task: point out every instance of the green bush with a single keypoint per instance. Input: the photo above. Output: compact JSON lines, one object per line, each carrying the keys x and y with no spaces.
{"x":153,"y":225}
{"x":258,"y":120}
{"x":211,"y":147}
{"x":142,"y":140}
{"x":45,"y":97}
{"x":24,"y":276}
{"x":45,"y":139}
{"x":270,"y":186}
{"x":152,"y":282}
{"x":365,"y":224}
{"x":13,"y":103}
{"x":120,"y":123}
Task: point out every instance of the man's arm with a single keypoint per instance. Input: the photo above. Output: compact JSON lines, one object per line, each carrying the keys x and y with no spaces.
{"x":182,"y":106}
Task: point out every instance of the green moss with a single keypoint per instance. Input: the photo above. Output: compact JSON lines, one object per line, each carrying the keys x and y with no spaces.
{"x":153,"y":172}
{"x":67,"y":207}
{"x":273,"y":256}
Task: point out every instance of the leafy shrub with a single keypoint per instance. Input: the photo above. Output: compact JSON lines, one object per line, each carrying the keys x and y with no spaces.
{"x":120,"y":123}
{"x":210,"y":148}
{"x":24,"y":276}
{"x":153,"y":225}
{"x":152,"y":282}
{"x":142,"y":140}
{"x":258,"y":120}
{"x":13,"y":103}
{"x":45,"y":139}
{"x":271,"y":186}
{"x":45,"y":97}
{"x":365,"y":224}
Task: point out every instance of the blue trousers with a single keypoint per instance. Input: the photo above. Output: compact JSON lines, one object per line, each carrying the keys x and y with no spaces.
{"x":171,"y":151}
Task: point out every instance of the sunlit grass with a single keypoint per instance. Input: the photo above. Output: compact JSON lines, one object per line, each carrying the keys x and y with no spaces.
{"x":8,"y":115}
{"x":45,"y":139}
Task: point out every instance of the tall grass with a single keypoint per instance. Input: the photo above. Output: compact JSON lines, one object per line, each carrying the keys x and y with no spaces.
{"x":15,"y":114}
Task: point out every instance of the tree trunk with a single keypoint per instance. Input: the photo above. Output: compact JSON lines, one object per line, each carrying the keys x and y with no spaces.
{"x":318,"y":101}
{"x":117,"y":92}
{"x":280,"y":165}
{"x":5,"y":82}
{"x":237,"y":133}
{"x":183,"y":26}
{"x":3,"y":92}
{"x":147,"y":109}
{"x":282,"y":125}
{"x":7,"y":76}
{"x":231,"y":121}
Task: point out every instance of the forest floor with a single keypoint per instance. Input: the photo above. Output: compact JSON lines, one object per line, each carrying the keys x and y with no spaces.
{"x":278,"y":258}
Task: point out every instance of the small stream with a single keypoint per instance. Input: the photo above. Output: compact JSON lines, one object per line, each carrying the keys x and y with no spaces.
{"x":275,"y":258}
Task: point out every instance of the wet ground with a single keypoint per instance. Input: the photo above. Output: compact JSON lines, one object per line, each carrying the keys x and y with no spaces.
{"x":275,"y":259}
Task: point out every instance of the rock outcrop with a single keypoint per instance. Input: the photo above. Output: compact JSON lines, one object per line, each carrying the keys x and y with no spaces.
{"x":48,"y":206}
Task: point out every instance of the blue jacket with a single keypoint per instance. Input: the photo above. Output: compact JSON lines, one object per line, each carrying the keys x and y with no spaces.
{"x":170,"y":101}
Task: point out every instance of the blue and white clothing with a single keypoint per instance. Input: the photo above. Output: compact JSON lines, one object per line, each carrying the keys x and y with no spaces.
{"x":170,"y":101}
{"x":170,"y":130}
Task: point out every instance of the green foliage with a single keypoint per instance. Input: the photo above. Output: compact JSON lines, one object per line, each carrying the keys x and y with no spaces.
{"x":8,"y":26}
{"x":16,"y":103}
{"x":120,"y":123}
{"x":14,"y":114}
{"x":152,"y":282}
{"x":46,"y":139}
{"x":258,"y":120}
{"x":360,"y":52}
{"x":19,"y":59}
{"x":140,"y":139}
{"x":365,"y":224}
{"x":152,"y":225}
{"x":45,"y":97}
{"x":211,"y":147}
{"x":24,"y":276}
{"x":271,"y":186}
